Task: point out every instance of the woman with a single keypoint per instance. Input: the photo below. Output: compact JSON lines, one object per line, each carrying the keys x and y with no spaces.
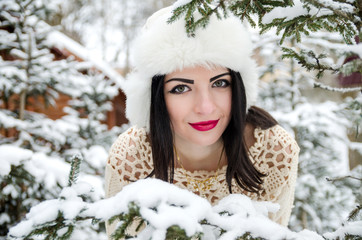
{"x":190,"y":101}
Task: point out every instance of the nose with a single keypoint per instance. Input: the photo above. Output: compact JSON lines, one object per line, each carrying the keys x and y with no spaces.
{"x":204,"y":103}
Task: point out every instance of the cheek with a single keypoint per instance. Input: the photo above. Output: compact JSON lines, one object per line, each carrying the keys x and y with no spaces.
{"x":175,"y":109}
{"x":224,"y":102}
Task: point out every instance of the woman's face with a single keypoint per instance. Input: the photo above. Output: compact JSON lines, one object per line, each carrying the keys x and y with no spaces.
{"x":198,"y":101}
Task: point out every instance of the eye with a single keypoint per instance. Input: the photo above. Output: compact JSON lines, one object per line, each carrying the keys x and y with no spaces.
{"x":221,"y":83}
{"x":179,"y":89}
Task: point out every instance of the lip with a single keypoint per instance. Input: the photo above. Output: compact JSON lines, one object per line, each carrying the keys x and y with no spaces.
{"x":205,"y":125}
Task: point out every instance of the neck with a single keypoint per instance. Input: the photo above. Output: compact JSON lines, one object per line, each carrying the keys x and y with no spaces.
{"x":194,"y":158}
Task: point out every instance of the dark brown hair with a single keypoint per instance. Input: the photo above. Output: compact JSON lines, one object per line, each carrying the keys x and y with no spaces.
{"x":239,"y":166}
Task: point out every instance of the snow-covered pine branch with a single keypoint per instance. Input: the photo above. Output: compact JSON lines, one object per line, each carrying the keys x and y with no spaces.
{"x":304,"y":17}
{"x":293,"y":21}
{"x":162,"y":206}
{"x":334,"y":89}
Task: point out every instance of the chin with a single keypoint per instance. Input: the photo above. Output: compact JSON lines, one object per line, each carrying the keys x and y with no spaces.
{"x":206,"y":140}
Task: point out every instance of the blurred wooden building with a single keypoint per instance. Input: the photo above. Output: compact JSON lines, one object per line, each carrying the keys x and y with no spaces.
{"x":63,"y":47}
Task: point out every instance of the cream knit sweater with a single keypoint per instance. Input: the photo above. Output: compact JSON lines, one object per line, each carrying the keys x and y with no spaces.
{"x":275,"y":153}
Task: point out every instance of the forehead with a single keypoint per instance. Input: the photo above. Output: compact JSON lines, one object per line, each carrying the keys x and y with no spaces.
{"x":197,"y":72}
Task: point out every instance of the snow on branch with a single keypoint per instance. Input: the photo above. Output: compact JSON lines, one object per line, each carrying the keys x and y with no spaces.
{"x":162,"y":206}
{"x":12,"y":156}
{"x":349,"y":228}
{"x":318,"y":7}
{"x":49,"y":170}
{"x":333,"y":89}
{"x":343,"y":177}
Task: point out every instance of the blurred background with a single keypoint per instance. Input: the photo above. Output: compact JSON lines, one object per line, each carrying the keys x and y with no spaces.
{"x":62,"y":66}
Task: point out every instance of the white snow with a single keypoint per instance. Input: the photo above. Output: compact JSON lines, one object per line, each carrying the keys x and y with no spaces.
{"x":50,"y":170}
{"x":12,"y":155}
{"x":357,"y":49}
{"x":321,"y":42}
{"x":335,"y":5}
{"x":61,"y":41}
{"x":93,"y":185}
{"x":357,"y":146}
{"x":4,"y":218}
{"x":10,"y":190}
{"x":353,"y":228}
{"x":163,"y":205}
{"x":286,"y":12}
{"x":180,"y":3}
{"x":299,"y":9}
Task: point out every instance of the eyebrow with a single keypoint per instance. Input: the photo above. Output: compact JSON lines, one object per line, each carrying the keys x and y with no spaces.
{"x":185,"y":80}
{"x":218,"y":76}
{"x":181,"y":80}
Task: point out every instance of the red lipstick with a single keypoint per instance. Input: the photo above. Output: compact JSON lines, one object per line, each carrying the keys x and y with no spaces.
{"x":204,"y":126}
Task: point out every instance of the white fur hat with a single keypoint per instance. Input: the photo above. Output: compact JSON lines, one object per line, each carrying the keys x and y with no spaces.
{"x":162,"y":48}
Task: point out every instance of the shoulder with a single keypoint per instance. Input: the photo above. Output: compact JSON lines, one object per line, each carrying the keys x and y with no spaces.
{"x":132,"y":133}
{"x":128,"y":141}
{"x":131,"y":154}
{"x":276,"y":139}
{"x":277,"y":157}
{"x":275,"y":151}
{"x":282,"y":140}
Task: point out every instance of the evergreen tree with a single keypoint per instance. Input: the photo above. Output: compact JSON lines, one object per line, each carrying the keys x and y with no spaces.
{"x":291,"y":19}
{"x":318,"y":128}
{"x":171,"y":213}
{"x":107,"y":26}
{"x":35,"y":150}
{"x":25,"y":70}
{"x":87,"y":112}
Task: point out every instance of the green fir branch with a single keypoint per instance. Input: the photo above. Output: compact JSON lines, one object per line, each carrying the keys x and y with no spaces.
{"x":306,"y":24}
{"x":354,"y":213}
{"x":247,"y":236}
{"x":74,"y":170}
{"x":175,"y":232}
{"x":308,"y":60}
{"x":50,"y":230}
{"x":203,"y":7}
{"x":127,"y":219}
{"x":339,"y":21}
{"x":246,"y":8}
{"x":337,"y":12}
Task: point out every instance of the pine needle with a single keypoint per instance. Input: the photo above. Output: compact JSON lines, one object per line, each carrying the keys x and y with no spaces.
{"x":74,"y":170}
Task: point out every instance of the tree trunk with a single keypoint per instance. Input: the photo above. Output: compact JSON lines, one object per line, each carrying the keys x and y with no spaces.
{"x":22,"y":104}
{"x":304,"y":219}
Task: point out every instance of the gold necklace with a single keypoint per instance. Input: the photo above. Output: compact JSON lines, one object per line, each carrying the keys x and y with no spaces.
{"x":200,"y":185}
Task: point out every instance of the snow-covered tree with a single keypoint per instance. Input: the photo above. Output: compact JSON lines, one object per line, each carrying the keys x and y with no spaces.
{"x":87,"y":112}
{"x":107,"y":26}
{"x":171,"y":213}
{"x":320,"y":128}
{"x":296,"y":20}
{"x":35,"y":150}
{"x":27,"y":69}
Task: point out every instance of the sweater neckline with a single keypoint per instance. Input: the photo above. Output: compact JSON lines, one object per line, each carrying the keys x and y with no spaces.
{"x":253,"y":150}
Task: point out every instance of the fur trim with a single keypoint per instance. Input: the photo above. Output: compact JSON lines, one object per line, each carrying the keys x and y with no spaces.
{"x":162,"y":48}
